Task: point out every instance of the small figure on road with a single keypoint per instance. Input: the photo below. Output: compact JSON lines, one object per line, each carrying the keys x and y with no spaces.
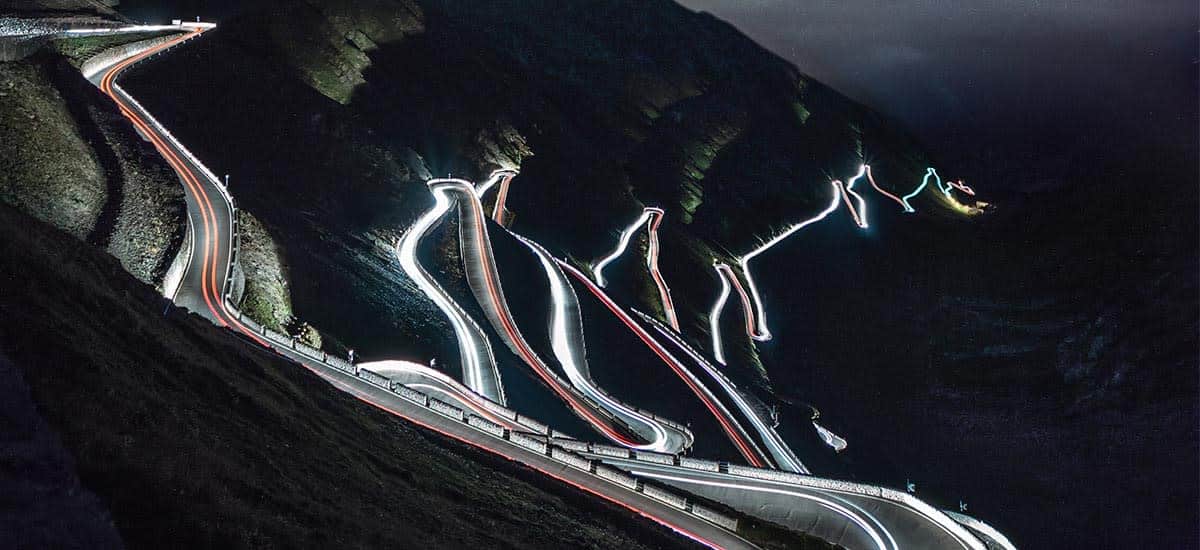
{"x":350,"y":357}
{"x":912,"y":487}
{"x":962,"y":506}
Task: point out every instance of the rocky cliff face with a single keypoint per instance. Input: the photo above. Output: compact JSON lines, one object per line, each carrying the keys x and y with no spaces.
{"x":70,"y":159}
{"x":605,"y":107}
{"x":936,"y":346}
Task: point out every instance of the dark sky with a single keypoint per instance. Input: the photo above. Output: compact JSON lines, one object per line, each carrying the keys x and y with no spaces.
{"x":1024,"y":79}
{"x":1009,"y":93}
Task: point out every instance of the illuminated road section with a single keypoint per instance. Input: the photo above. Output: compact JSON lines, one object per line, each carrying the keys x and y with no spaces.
{"x":480,"y":265}
{"x":653,"y":216}
{"x":622,"y":244}
{"x":664,"y":292}
{"x":478,"y":362}
{"x":435,"y":383}
{"x":836,"y":442}
{"x":567,"y":341}
{"x":782,"y":454}
{"x":205,"y":281}
{"x":736,"y":433}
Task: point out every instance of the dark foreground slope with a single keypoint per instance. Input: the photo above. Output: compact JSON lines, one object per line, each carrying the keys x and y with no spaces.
{"x":193,"y":438}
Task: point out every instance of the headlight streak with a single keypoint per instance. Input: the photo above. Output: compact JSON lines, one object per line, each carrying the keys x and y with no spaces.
{"x":622,"y":244}
{"x":859,"y":212}
{"x":474,"y":348}
{"x":503,"y":176}
{"x":782,"y":453}
{"x":567,"y":341}
{"x":485,"y":284}
{"x":929,"y":173}
{"x":761,"y":332}
{"x":864,"y":523}
{"x":446,"y":386}
{"x":664,"y":292}
{"x":728,"y":278}
{"x":736,"y":433}
{"x":714,"y":316}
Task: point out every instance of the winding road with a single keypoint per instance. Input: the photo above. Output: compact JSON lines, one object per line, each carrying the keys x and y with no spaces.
{"x":203,"y":289}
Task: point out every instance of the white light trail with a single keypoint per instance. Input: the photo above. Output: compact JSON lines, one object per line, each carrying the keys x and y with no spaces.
{"x":568,"y":345}
{"x":859,"y":213}
{"x":436,"y":381}
{"x":862,"y":522}
{"x":714,"y":316}
{"x":485,"y":283}
{"x":622,"y":244}
{"x":783,"y":454}
{"x":474,"y":348}
{"x":761,"y":332}
{"x":664,"y":292}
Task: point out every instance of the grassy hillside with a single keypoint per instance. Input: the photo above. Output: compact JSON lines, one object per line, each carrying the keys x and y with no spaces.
{"x":193,"y":439}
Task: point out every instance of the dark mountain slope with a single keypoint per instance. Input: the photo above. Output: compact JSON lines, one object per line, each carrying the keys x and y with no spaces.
{"x":193,"y":438}
{"x":330,"y":115}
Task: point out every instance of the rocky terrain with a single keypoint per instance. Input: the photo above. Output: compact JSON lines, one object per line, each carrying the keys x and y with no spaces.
{"x":1037,"y":363}
{"x":188,"y":437}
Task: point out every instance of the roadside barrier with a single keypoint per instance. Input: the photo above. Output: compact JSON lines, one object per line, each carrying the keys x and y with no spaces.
{"x":560,"y":450}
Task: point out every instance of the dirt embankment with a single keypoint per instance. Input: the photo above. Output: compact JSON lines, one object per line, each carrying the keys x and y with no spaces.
{"x":70,"y":159}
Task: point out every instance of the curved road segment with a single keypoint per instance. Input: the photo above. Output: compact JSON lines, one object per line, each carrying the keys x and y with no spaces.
{"x":202,"y":288}
{"x":612,"y":419}
{"x":846,"y":518}
{"x":212,"y":219}
{"x":478,"y":362}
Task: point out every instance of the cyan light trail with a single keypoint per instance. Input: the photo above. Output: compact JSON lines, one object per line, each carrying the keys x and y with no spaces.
{"x":737,"y":434}
{"x":622,"y":244}
{"x":484,"y":280}
{"x":478,"y":361}
{"x":714,"y":315}
{"x":860,"y":211}
{"x":929,"y":173}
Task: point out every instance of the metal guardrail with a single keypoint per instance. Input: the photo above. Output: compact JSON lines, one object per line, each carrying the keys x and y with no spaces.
{"x":557,"y":450}
{"x":554,"y":446}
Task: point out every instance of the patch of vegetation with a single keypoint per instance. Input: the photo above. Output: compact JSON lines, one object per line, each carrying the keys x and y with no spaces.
{"x":78,"y":50}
